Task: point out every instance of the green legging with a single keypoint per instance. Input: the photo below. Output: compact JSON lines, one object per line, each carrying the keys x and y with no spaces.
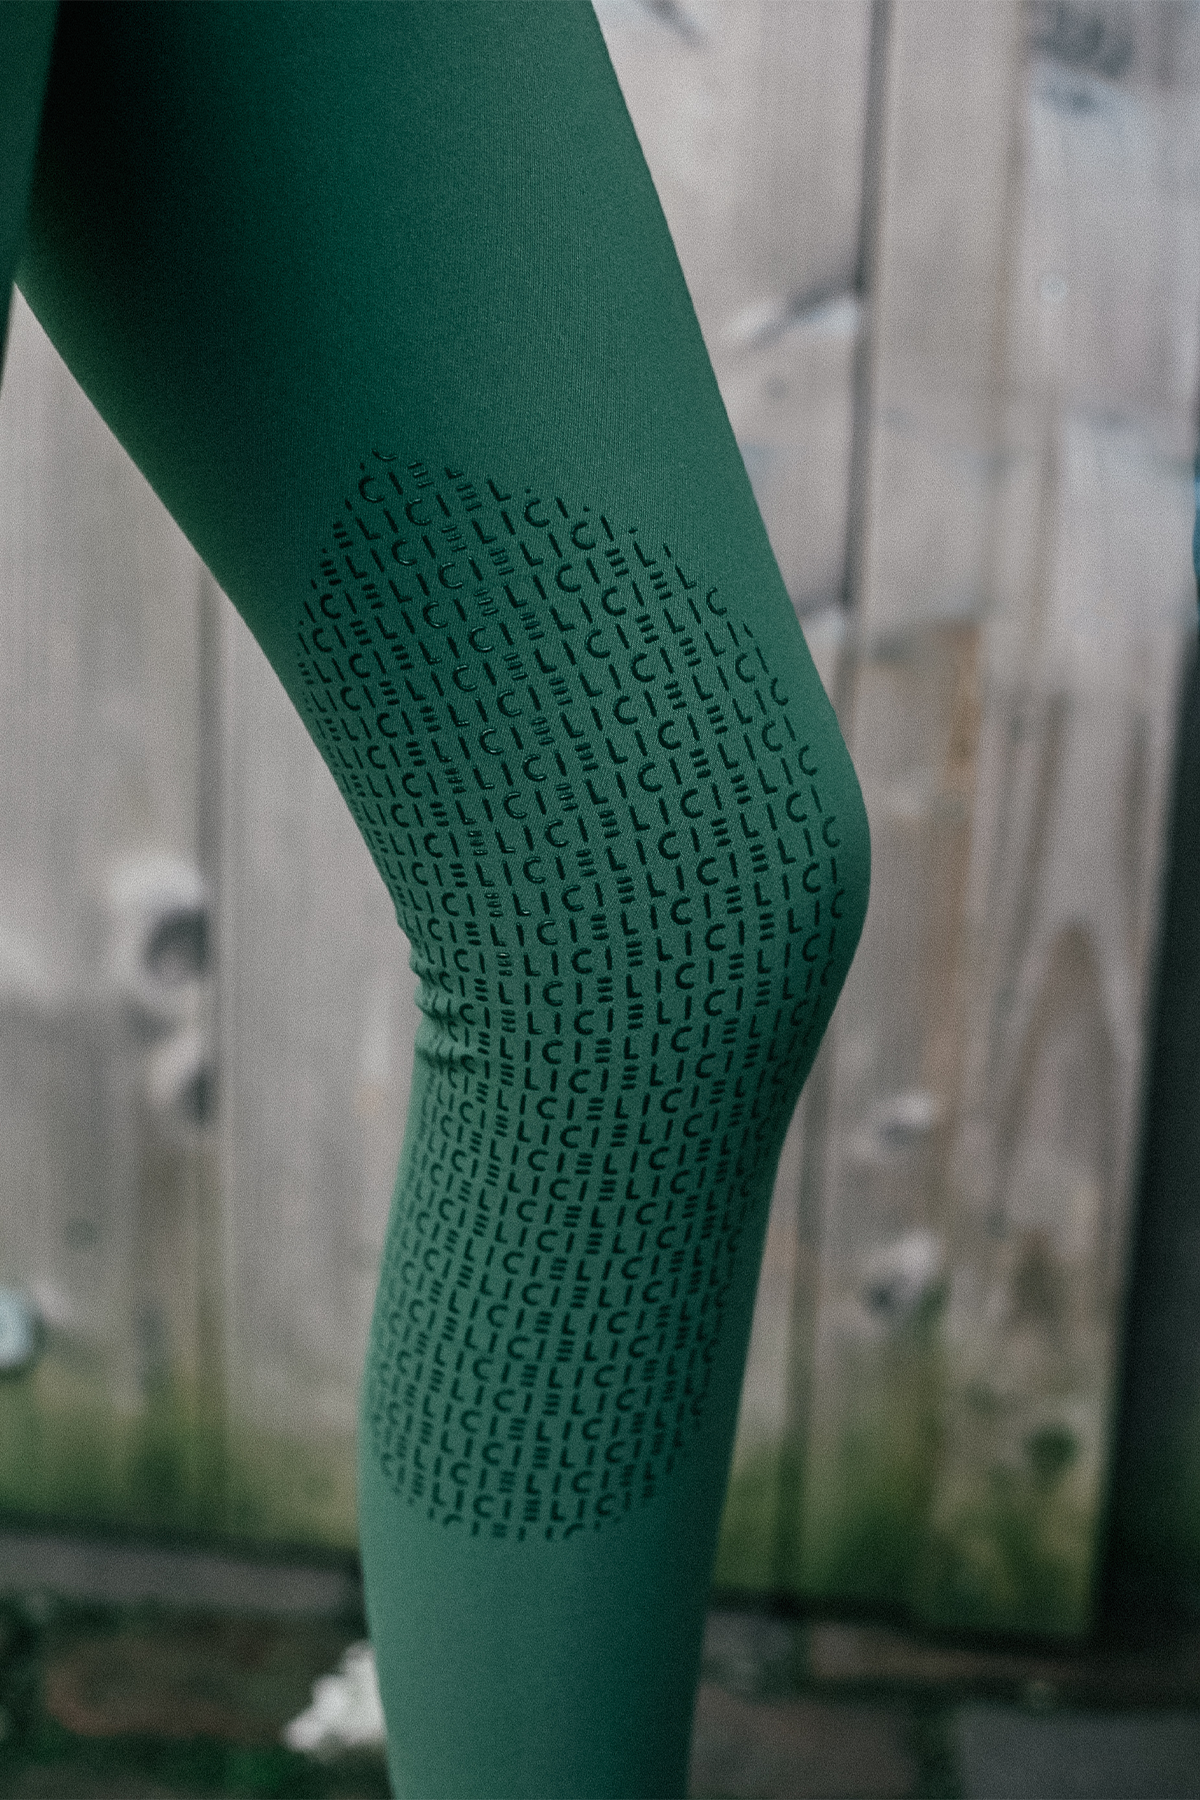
{"x":380,"y":298}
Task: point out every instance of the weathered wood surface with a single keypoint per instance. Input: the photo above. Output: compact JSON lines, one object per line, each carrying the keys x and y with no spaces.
{"x":958,"y":1443}
{"x":868,"y":1342}
{"x":1155,"y":1516}
{"x":1093,"y":602}
{"x":201,"y":1251}
{"x":106,"y":1208}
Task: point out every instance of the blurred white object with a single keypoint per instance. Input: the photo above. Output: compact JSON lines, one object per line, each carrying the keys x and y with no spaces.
{"x":179,"y":1077}
{"x":20,"y":1332}
{"x":896,"y":1124}
{"x":905,"y":1279}
{"x":345,"y":1714}
{"x":160,"y":968}
{"x":159,"y":923}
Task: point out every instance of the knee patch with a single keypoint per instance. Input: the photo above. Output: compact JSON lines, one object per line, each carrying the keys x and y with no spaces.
{"x":631,"y":872}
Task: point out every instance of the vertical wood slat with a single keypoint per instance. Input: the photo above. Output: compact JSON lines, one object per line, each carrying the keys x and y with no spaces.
{"x":868,"y":1336}
{"x":105,"y":1167}
{"x":1093,"y":605}
{"x":989,"y":1047}
{"x":206,"y":1286}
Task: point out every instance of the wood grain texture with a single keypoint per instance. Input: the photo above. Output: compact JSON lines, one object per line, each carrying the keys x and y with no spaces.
{"x":1014,"y":690}
{"x":105,"y":1155}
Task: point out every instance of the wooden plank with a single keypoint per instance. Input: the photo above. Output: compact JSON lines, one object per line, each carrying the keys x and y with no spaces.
{"x":206,"y":1287}
{"x":989,"y":1048}
{"x":1093,"y":603}
{"x":1073,"y":770}
{"x":868,"y":1356}
{"x":872,"y":1307}
{"x":105,"y":1188}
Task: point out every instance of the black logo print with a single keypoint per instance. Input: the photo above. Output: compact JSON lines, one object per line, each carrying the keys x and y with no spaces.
{"x":606,"y":837}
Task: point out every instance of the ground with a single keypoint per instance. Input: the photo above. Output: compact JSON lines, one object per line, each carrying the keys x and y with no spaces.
{"x":118,"y":1693}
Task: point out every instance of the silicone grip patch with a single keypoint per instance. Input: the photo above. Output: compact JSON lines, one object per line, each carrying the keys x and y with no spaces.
{"x":607,"y":839}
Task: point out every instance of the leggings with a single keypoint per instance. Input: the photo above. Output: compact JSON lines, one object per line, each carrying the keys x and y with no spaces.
{"x":380,"y":298}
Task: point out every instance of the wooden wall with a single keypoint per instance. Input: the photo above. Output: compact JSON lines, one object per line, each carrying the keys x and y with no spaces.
{"x":947,"y":263}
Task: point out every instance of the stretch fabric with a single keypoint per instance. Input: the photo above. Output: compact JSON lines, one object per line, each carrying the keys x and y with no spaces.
{"x":381,"y":299}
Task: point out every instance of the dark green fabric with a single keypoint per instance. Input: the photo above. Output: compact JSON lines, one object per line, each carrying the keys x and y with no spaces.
{"x":26,"y":35}
{"x":381,"y":299}
{"x":1154,"y":1520}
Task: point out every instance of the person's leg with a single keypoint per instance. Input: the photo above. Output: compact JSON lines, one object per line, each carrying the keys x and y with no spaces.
{"x":381,"y":299}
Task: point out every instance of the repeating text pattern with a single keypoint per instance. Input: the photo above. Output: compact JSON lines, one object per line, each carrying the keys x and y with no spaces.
{"x":608,"y":842}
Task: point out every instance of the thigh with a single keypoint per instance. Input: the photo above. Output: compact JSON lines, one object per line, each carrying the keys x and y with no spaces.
{"x":270,"y":238}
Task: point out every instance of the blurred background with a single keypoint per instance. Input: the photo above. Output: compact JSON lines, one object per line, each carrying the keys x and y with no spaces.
{"x":946,"y":257}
